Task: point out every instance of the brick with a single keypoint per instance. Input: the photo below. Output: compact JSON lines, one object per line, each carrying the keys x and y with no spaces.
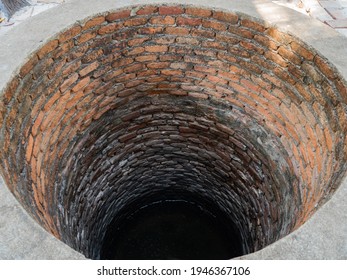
{"x":302,"y":51}
{"x":284,"y":75}
{"x":41,"y":67}
{"x":124,"y":78}
{"x":56,"y":69}
{"x":92,"y":56}
{"x":63,"y":49}
{"x":87,"y":36}
{"x":167,"y":40}
{"x":77,"y":52}
{"x":112,"y":74}
{"x":276,"y":58}
{"x":289,"y":55}
{"x":51,"y":101}
{"x":94,"y":22}
{"x":71,"y":67}
{"x":89,"y":68}
{"x":133,"y":68}
{"x":147,"y":10}
{"x":29,"y":149}
{"x":324,"y":67}
{"x":252,"y":47}
{"x":134,"y":51}
{"x":121,"y":62}
{"x":170,"y":72}
{"x":118,"y":15}
{"x":135,"y":22}
{"x":69,"y":34}
{"x":156,"y":48}
{"x":177,"y":30}
{"x":226,"y":17}
{"x":199,"y":12}
{"x":227,"y":38}
{"x":253,"y":25}
{"x":150,"y":30}
{"x":47,"y":48}
{"x":68,"y":82}
{"x":203,"y":33}
{"x":81,"y":84}
{"x":226,"y":57}
{"x":187,"y":41}
{"x":28,"y":66}
{"x":214,"y":45}
{"x":328,"y":139}
{"x":198,"y":95}
{"x":167,"y":20}
{"x":178,"y":65}
{"x":145,"y":58}
{"x":342,"y":88}
{"x":242,"y":32}
{"x":137,"y":42}
{"x":279,"y":36}
{"x":170,"y":10}
{"x":110,"y":28}
{"x":217,"y":80}
{"x":219,"y":26}
{"x":188,"y":21}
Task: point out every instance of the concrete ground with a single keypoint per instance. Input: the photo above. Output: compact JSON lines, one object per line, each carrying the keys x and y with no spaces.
{"x":324,"y":236}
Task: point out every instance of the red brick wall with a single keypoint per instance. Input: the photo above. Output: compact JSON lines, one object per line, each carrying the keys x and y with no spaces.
{"x":211,"y":103}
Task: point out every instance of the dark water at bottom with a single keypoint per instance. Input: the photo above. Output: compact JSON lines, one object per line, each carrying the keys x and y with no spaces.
{"x":172,"y":230}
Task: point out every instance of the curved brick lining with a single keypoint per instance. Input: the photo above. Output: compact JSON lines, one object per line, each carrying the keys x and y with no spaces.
{"x":136,"y":102}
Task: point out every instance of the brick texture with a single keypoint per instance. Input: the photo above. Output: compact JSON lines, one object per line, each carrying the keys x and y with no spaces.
{"x":196,"y":100}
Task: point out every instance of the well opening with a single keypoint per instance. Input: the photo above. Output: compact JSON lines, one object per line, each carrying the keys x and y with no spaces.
{"x":150,"y":105}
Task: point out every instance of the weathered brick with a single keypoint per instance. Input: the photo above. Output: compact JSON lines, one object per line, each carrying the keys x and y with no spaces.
{"x":302,"y":51}
{"x":276,"y":58}
{"x":135,"y":22}
{"x":144,"y":58}
{"x":147,"y":10}
{"x":110,"y":28}
{"x":227,"y":17}
{"x":81,"y":84}
{"x":167,"y":20}
{"x":219,"y":26}
{"x":169,"y":72}
{"x":69,"y":34}
{"x":289,"y":55}
{"x":134,"y":51}
{"x":177,"y":30}
{"x":29,"y":65}
{"x":253,"y":25}
{"x":198,"y":12}
{"x":87,"y":36}
{"x":89,"y":68}
{"x":187,"y":41}
{"x":118,"y":15}
{"x":150,"y":30}
{"x":324,"y":67}
{"x":189,"y":21}
{"x":92,"y":55}
{"x":68,"y":82}
{"x":170,"y":10}
{"x":156,"y":48}
{"x":93,"y":22}
{"x":47,"y":48}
